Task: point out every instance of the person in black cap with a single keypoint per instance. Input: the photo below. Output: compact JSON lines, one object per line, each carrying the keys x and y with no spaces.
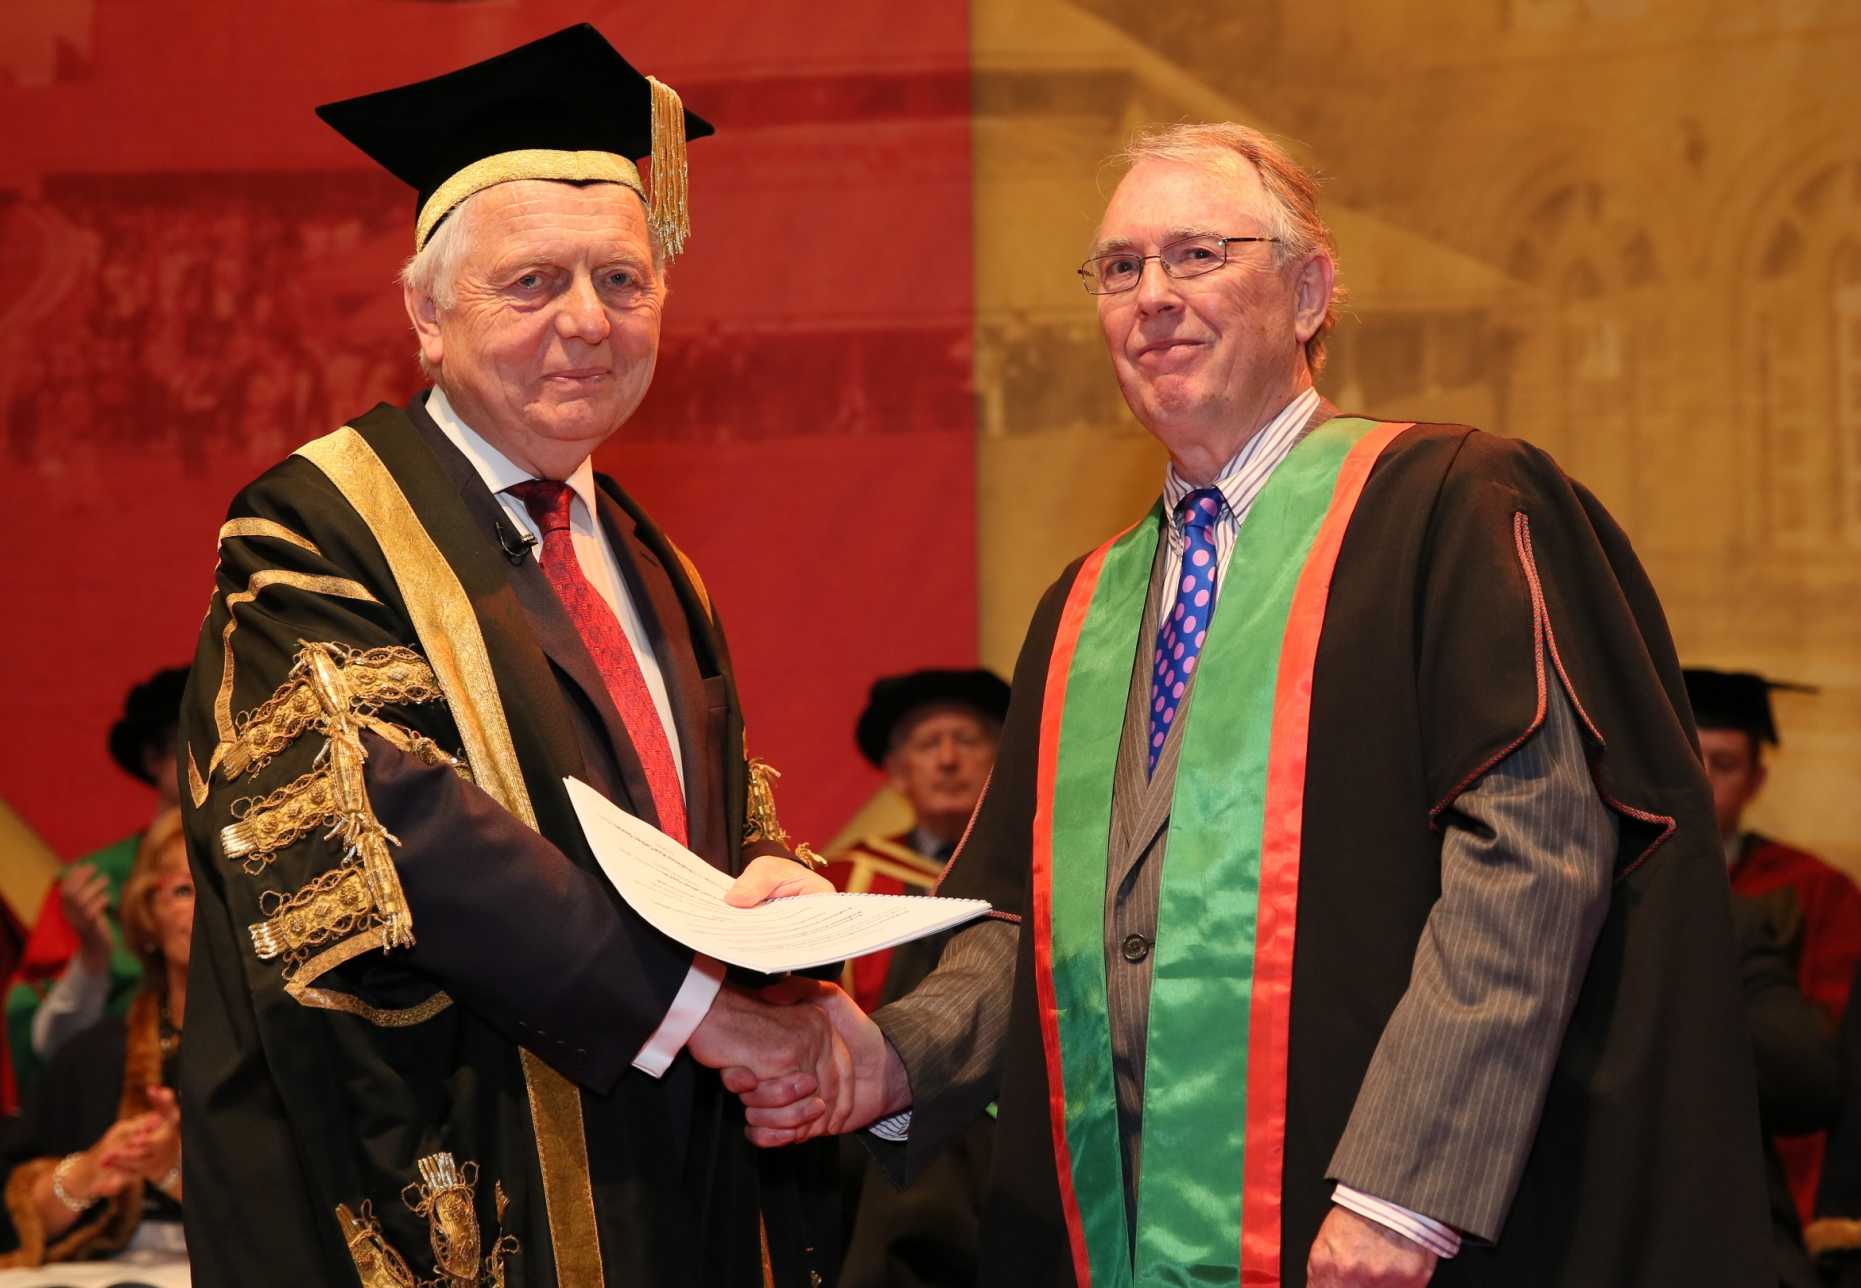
{"x":1733,"y":712}
{"x":427,"y":1038}
{"x":934,"y":733}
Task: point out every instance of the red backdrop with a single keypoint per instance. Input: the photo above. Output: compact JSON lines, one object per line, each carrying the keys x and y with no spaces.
{"x":198,"y":276}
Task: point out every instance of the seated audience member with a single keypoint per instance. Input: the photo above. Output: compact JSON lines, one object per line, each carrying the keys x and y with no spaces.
{"x":74,"y":943}
{"x":1799,"y":1063}
{"x":934,"y":735}
{"x":1733,"y":712}
{"x":97,"y":1153}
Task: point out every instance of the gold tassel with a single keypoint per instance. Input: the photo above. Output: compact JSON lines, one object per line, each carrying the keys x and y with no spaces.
{"x":669,"y":212}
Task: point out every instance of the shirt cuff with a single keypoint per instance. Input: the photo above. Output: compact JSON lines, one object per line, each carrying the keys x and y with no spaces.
{"x":682,"y":1019}
{"x":75,"y":1001}
{"x":1427,"y":1231}
{"x":896,"y":1129}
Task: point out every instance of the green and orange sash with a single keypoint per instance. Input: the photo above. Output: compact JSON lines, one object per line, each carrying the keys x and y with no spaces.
{"x":1214,"y":1110}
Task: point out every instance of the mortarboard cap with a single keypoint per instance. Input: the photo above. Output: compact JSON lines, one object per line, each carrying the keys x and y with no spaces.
{"x":565,"y":107}
{"x":893,"y":697}
{"x":1736,"y":700}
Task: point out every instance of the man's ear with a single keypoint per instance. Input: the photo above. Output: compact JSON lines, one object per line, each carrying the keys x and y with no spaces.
{"x":423,"y":312}
{"x":1312,"y":294}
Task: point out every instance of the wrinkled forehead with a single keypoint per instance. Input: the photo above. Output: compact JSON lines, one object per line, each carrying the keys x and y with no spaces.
{"x":1160,"y":200}
{"x":532,"y":213}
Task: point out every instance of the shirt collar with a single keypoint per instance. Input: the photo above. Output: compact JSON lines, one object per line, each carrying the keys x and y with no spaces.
{"x":496,"y":469}
{"x":1245,"y":473}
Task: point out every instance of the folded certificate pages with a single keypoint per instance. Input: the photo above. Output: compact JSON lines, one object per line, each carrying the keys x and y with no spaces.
{"x":682,"y":896}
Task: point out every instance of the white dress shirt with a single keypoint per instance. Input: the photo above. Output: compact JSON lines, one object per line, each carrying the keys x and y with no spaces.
{"x":602,"y":569}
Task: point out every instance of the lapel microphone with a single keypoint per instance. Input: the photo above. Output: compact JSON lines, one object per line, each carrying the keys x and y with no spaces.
{"x":516,"y":543}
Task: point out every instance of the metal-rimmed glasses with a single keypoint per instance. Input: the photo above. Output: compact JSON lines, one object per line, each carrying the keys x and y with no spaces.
{"x":1190,"y":257}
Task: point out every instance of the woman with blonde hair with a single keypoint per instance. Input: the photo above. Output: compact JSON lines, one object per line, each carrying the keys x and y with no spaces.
{"x":97,"y":1153}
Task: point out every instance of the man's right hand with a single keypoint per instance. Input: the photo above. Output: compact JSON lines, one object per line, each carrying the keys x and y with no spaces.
{"x":85,"y":895}
{"x":755,"y":1043}
{"x":874,"y":1087}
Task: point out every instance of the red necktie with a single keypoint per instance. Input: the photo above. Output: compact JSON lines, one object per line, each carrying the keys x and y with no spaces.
{"x":548,"y":504}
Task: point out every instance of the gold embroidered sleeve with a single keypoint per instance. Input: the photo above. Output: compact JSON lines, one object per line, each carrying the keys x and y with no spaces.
{"x":760,"y":821}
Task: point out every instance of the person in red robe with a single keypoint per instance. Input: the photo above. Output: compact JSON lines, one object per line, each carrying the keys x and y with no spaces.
{"x":1733,"y":710}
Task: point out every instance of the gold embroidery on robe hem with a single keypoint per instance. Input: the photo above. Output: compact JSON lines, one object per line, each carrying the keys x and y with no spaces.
{"x":760,"y":822}
{"x":443,"y":1195}
{"x":367,"y":680}
{"x":377,"y":1264}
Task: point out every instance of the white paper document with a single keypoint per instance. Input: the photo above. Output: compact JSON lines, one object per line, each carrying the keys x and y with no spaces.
{"x":682,"y":896}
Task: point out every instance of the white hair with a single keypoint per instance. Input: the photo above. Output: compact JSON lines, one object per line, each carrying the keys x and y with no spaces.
{"x":1292,"y":193}
{"x":433,"y":270}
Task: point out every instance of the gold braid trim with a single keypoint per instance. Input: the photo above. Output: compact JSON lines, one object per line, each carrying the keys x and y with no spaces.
{"x":526,"y":163}
{"x":377,"y":1264}
{"x":263,"y":825}
{"x":760,"y":822}
{"x":1831,"y":1234}
{"x":360,"y":681}
{"x":263,"y":579}
{"x":266,"y":824}
{"x":390,"y":1018}
{"x":196,"y":785}
{"x":249,"y":527}
{"x":334,"y":906}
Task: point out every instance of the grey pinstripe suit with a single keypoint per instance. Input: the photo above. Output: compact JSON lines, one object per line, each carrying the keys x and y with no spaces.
{"x":1448,"y":1110}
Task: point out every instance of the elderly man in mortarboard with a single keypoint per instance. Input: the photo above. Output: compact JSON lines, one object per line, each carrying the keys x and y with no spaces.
{"x":427,"y":1043}
{"x":1818,"y":903}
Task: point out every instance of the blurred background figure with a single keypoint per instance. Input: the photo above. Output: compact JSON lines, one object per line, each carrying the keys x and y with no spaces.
{"x":934,"y":734}
{"x":1799,"y":1064}
{"x":76,"y":967}
{"x":1834,"y":1237}
{"x":94,"y":1164}
{"x":1818,"y":907}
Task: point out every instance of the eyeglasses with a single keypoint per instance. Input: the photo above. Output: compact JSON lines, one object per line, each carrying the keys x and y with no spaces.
{"x":1190,"y":257}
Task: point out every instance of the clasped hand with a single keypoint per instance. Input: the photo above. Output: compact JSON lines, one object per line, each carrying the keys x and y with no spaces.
{"x":805,"y":1059}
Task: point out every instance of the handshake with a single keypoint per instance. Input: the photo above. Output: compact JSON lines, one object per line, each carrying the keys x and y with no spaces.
{"x":803,"y":1057}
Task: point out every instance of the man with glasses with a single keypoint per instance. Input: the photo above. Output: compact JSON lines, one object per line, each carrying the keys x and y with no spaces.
{"x":1436,"y":982}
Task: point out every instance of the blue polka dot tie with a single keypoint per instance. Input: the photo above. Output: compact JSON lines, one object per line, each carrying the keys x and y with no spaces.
{"x":1179,"y":641}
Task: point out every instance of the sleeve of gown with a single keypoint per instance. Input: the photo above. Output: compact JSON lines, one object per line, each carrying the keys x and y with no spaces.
{"x":1450,"y":1105}
{"x":340,"y":834}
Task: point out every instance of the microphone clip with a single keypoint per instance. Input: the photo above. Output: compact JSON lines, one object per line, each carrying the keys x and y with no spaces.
{"x":516,"y":543}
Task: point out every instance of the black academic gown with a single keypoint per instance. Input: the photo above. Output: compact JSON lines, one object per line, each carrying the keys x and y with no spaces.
{"x":1433,"y":661}
{"x":294,"y":1104}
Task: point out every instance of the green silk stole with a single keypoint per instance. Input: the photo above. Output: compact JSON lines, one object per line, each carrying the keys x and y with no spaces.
{"x":1196,"y":1109}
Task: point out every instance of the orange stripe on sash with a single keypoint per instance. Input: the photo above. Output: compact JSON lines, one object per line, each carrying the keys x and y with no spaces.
{"x":1053,"y":708}
{"x":1270,"y":1012}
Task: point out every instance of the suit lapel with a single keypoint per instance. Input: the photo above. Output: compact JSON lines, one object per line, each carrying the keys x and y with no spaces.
{"x":551,"y":628}
{"x":669,"y":632}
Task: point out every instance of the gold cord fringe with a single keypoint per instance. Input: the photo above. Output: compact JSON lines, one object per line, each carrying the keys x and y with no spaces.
{"x":669,"y":210}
